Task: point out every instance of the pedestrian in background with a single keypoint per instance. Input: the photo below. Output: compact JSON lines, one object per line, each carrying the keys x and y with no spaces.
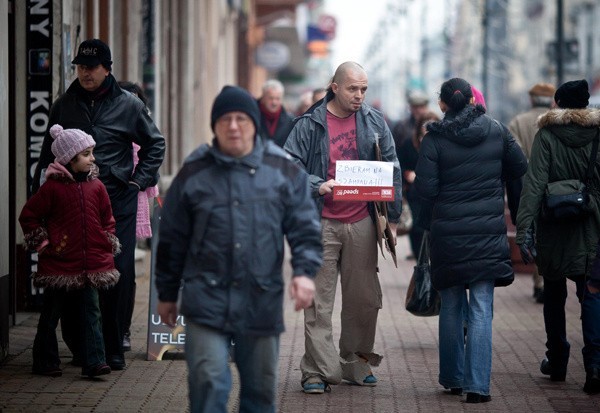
{"x":69,"y":223}
{"x":404,"y":129}
{"x":143,"y":230}
{"x":221,"y":235}
{"x":460,"y":170}
{"x":408,"y":155}
{"x":275,"y":121}
{"x":95,"y":103}
{"x":343,"y":127}
{"x":524,"y":128}
{"x":563,"y":250}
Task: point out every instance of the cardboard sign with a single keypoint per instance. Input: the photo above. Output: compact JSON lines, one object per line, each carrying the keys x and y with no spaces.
{"x":364,"y":181}
{"x":161,"y":337}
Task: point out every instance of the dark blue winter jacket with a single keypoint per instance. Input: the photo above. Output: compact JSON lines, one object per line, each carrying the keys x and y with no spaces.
{"x":221,"y":237}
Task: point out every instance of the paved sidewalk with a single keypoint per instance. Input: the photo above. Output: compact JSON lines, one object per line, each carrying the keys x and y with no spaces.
{"x":407,"y":375}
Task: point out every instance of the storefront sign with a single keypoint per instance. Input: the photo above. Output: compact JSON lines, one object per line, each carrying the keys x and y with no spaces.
{"x":39,"y":97}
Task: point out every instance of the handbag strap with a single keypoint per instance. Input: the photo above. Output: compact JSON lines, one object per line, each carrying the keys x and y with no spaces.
{"x":590,"y":168}
{"x":424,"y":250}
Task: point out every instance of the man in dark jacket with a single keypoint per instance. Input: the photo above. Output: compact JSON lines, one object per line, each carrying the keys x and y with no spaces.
{"x":524,"y":127}
{"x":275,"y":121}
{"x":565,"y":249}
{"x":222,"y":236}
{"x":343,"y":127}
{"x":96,"y":104}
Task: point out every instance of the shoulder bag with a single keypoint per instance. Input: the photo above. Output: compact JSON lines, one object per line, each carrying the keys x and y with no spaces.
{"x":568,"y":199}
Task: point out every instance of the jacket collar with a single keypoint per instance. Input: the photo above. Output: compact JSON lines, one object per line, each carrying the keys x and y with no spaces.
{"x":111,"y":83}
{"x":587,"y":118}
{"x":252,"y":160}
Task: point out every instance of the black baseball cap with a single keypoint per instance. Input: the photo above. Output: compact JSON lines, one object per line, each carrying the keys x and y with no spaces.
{"x":92,"y":53}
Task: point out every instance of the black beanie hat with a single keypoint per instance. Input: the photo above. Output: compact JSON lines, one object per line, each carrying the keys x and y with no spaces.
{"x":232,"y":99}
{"x":572,"y":95}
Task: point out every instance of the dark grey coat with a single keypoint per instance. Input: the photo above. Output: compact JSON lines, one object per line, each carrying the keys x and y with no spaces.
{"x":561,"y":150}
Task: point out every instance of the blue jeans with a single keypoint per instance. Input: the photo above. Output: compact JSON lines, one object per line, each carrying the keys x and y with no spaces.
{"x":209,"y":377}
{"x":466,"y":366}
{"x":590,"y":321}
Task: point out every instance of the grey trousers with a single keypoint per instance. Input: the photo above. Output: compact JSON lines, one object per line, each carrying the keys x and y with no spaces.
{"x":351,"y":251}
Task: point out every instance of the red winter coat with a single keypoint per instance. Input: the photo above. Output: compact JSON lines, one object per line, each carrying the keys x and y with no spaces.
{"x":72,"y":227}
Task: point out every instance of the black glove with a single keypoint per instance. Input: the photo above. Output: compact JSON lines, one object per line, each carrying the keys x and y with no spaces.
{"x":527,"y":248}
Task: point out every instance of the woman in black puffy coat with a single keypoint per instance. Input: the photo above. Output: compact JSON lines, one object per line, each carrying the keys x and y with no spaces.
{"x":463,"y":161}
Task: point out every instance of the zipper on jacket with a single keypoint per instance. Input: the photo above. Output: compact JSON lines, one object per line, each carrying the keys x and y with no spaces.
{"x":83,"y":227}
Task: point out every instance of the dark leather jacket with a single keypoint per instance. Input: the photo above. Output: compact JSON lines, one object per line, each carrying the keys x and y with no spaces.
{"x":114,"y":121}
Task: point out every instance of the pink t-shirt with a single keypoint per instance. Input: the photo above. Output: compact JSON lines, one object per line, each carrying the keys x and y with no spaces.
{"x":342,"y":146}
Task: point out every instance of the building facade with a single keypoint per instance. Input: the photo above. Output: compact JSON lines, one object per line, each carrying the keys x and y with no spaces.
{"x":182,"y":52}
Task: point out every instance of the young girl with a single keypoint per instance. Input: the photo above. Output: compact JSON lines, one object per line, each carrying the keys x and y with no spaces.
{"x":69,"y":222}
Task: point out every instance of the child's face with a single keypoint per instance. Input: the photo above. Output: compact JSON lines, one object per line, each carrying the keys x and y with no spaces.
{"x":83,"y":161}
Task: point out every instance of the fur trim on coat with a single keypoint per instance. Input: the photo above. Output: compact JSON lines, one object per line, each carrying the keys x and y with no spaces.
{"x":588,"y":118}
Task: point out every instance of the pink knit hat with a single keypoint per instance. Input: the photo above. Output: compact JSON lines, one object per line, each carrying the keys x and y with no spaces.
{"x":478,"y":97}
{"x":68,"y":143}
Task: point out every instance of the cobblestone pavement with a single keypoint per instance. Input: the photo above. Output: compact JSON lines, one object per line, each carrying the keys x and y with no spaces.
{"x":407,"y":375}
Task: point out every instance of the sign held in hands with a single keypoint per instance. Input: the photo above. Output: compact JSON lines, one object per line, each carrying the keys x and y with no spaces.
{"x":364,"y":181}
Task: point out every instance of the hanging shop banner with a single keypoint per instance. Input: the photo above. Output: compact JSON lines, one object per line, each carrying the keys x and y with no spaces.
{"x":161,"y":337}
{"x":39,"y":97}
{"x":364,"y":181}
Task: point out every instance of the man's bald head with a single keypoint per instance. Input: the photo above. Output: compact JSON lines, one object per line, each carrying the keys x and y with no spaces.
{"x":346,"y":68}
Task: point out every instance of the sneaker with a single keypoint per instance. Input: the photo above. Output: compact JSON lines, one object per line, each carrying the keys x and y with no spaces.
{"x":126,"y":342}
{"x":370,"y":380}
{"x":314,"y":385}
{"x":97,"y":370}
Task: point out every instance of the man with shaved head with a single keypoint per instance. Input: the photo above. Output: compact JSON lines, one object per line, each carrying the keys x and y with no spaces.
{"x":343,"y":127}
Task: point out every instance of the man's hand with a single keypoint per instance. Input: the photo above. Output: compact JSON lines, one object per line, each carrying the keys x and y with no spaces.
{"x":302,"y":291}
{"x":327,"y":187}
{"x":167,"y":312}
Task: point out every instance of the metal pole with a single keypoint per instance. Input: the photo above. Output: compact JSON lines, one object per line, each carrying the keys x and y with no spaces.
{"x":485,"y":50}
{"x":559,"y":42}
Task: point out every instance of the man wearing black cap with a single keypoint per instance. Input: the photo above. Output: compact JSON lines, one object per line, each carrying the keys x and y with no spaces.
{"x":96,"y":104}
{"x":222,"y":232}
{"x":561,"y":151}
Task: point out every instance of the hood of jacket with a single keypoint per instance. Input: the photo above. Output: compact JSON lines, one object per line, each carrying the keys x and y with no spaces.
{"x":61,"y":173}
{"x":574,"y":127}
{"x":467,"y":127}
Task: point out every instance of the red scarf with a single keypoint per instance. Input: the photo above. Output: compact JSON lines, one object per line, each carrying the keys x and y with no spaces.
{"x":271,"y":119}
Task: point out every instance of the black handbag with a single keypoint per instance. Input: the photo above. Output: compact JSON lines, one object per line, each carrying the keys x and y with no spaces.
{"x":421,"y":298}
{"x":569,"y":199}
